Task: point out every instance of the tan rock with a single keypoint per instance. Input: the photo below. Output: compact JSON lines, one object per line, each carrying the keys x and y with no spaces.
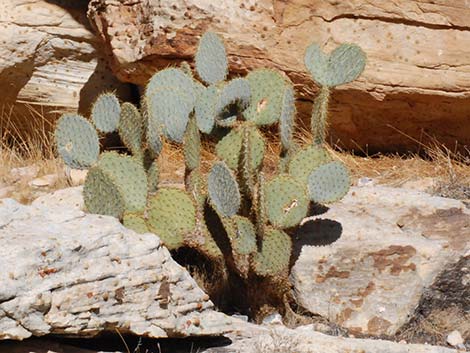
{"x":392,"y":245}
{"x":76,"y":176}
{"x":304,"y":339}
{"x":44,"y":181}
{"x":50,"y":57}
{"x":68,"y":273}
{"x":417,"y":79}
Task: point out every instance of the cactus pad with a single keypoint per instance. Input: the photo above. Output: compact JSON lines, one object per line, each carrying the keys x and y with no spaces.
{"x":101,"y":194}
{"x":211,"y":59}
{"x":131,"y":128}
{"x":223,"y":190}
{"x":153,"y":175}
{"x":236,"y":91}
{"x":106,"y":113}
{"x":201,"y":240}
{"x":329,"y":182}
{"x":244,"y":240}
{"x":170,"y":109}
{"x":242,"y":237}
{"x":306,"y":160}
{"x":117,"y":184}
{"x":171,"y":215}
{"x":197,"y":187}
{"x":286,"y":120}
{"x":229,"y":148}
{"x":154,"y":140}
{"x":285,"y":201}
{"x":192,"y":146}
{"x":273,"y":260}
{"x":171,"y":79}
{"x":205,"y":109}
{"x":342,"y":65}
{"x":136,"y":222}
{"x":77,"y":141}
{"x":267,"y":96}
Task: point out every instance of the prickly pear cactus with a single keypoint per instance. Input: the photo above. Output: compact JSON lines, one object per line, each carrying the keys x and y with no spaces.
{"x":77,"y":141}
{"x":230,"y":213}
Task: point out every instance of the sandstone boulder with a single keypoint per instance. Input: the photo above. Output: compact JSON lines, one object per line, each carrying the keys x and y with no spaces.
{"x":68,"y":273}
{"x":392,"y":245}
{"x":416,"y":83}
{"x":49,"y":57}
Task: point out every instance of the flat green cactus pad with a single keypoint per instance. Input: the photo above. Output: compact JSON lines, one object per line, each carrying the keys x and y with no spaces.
{"x":117,"y":184}
{"x":106,"y":112}
{"x":286,"y":120}
{"x":267,"y":96}
{"x":154,"y":139}
{"x":169,"y":109}
{"x":153,"y":176}
{"x":230,"y":147}
{"x":206,"y":109}
{"x":329,"y":182}
{"x":131,"y":128}
{"x":306,"y":160}
{"x":202,"y":241}
{"x":102,"y":195}
{"x":77,"y":141}
{"x":197,"y":187}
{"x":171,"y":215}
{"x":273,"y":260}
{"x":342,"y":65}
{"x":223,"y":190}
{"x":286,"y":201}
{"x":242,"y":237}
{"x":171,"y":79}
{"x":136,"y":222}
{"x":192,"y":146}
{"x":211,"y":59}
{"x":236,"y":91}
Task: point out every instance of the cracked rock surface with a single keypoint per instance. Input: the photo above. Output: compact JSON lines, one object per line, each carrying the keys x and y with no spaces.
{"x":69,"y":273}
{"x":392,"y":245}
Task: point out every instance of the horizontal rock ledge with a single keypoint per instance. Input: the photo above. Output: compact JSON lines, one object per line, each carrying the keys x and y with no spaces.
{"x":416,"y":85}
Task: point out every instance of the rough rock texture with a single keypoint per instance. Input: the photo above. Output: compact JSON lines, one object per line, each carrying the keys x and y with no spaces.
{"x":305,"y":340}
{"x":69,"y":273}
{"x":392,"y":245}
{"x":416,"y":83}
{"x":444,"y":307}
{"x":50,"y":57}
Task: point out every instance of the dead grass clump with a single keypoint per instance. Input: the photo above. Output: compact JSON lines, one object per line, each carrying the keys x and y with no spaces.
{"x":437,"y":325}
{"x":27,"y":141}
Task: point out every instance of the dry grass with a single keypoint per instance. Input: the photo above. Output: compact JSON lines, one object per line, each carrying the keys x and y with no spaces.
{"x":437,"y":325}
{"x":449,"y":171}
{"x":26,"y":140}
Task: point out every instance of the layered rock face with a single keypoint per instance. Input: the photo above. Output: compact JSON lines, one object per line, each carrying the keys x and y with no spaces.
{"x":49,"y":57}
{"x":65,"y":272}
{"x":416,"y":84}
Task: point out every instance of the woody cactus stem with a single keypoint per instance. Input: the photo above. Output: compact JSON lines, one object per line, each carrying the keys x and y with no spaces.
{"x":320,"y":116}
